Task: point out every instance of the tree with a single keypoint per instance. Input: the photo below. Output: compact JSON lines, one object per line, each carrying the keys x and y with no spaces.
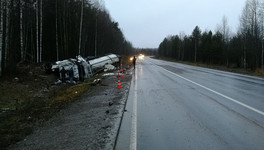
{"x":37,"y":29}
{"x":6,"y":30}
{"x":206,"y":53}
{"x":1,"y":34}
{"x":40,"y":31}
{"x":81,"y":26}
{"x":261,"y":17}
{"x":245,"y":49}
{"x":250,"y":29}
{"x":224,"y":29}
{"x":95,"y":35}
{"x":182,"y":36}
{"x":196,"y":34}
{"x":56,"y":26}
{"x":21,"y":29}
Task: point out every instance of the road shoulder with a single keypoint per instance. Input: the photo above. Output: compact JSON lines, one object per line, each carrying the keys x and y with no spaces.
{"x":91,"y":122}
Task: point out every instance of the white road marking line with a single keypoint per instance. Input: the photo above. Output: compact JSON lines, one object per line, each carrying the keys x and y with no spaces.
{"x":229,"y":98}
{"x":133,"y":135}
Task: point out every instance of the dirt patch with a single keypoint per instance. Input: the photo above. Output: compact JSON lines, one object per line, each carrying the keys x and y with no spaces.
{"x":89,"y":122}
{"x":24,"y":99}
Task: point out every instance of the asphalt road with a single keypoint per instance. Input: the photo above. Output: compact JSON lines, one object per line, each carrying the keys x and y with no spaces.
{"x":176,"y":106}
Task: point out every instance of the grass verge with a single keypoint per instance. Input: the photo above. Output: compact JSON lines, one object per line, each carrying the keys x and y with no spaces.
{"x":21,"y":110}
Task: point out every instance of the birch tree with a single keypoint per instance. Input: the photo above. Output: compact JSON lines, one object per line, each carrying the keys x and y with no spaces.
{"x":37,"y":29}
{"x":81,"y":25}
{"x":1,"y":34}
{"x":41,"y":29}
{"x":21,"y":30}
{"x":224,"y":29}
{"x":57,"y":42}
{"x":29,"y":32}
{"x":261,"y":16}
{"x":95,"y":35}
{"x":6,"y":30}
{"x":245,"y":29}
{"x":250,"y":30}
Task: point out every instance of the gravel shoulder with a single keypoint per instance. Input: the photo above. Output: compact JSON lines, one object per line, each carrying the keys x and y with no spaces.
{"x":90,"y":122}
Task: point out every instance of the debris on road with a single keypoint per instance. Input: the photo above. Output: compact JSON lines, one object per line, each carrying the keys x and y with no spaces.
{"x":96,"y":82}
{"x":109,"y":67}
{"x":108,"y":74}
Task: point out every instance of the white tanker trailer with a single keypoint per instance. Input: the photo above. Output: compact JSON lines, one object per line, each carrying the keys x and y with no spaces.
{"x":82,"y":68}
{"x":98,"y":64}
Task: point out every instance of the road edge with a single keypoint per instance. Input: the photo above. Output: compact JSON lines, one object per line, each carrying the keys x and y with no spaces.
{"x":121,"y":119}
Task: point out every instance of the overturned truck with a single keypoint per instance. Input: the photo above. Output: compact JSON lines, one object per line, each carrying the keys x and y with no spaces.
{"x":83,"y":68}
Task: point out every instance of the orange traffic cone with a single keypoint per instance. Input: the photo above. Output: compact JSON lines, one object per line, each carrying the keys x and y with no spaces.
{"x":118,"y":82}
{"x":122,"y":74}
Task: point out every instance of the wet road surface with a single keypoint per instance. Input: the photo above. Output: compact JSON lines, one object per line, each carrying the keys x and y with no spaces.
{"x":176,"y":106}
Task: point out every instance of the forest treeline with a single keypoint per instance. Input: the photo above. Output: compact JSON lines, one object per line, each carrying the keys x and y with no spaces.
{"x":49,"y":30}
{"x":241,"y":50}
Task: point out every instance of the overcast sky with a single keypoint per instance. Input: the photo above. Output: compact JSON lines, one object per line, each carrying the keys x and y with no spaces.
{"x":146,"y":23}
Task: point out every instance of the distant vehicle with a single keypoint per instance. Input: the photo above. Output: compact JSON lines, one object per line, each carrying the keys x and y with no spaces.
{"x":141,"y":56}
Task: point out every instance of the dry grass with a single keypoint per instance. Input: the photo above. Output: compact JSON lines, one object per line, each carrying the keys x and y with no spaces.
{"x":71,"y":93}
{"x":259,"y":72}
{"x":23,"y":105}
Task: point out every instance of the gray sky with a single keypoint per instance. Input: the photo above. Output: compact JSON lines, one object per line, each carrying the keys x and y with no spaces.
{"x":146,"y":23}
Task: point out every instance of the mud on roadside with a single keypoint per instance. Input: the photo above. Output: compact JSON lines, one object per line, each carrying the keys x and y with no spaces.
{"x":28,"y":98}
{"x":91,"y":122}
